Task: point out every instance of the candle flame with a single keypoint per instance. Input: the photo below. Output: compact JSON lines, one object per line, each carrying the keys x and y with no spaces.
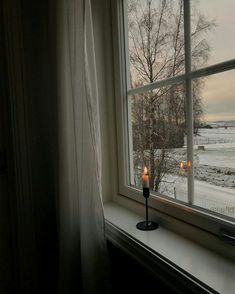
{"x":145,"y":178}
{"x":146,"y":171}
{"x":182,"y":168}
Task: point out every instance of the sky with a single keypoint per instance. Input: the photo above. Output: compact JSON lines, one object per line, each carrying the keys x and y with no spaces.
{"x":218,"y":94}
{"x":219,"y":91}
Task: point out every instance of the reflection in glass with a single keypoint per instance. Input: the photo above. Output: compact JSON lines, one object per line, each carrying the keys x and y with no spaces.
{"x":159,"y":140}
{"x":214,"y":146}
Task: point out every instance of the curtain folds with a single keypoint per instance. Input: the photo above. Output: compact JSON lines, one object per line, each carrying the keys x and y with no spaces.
{"x":55,"y":128}
{"x":83,"y":259}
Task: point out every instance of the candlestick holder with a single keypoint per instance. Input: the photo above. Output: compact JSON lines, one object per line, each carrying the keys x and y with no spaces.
{"x":146,"y":225}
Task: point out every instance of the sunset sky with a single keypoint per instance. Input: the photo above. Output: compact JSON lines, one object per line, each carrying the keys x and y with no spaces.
{"x":218,"y":94}
{"x":219,"y":91}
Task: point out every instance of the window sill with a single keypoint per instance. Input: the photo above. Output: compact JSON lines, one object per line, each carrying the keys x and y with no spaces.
{"x":189,"y":261}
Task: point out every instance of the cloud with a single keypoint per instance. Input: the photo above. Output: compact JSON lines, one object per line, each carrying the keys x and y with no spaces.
{"x":218,"y":96}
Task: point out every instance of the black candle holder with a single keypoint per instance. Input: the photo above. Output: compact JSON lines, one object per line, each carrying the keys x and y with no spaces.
{"x":146,"y":225}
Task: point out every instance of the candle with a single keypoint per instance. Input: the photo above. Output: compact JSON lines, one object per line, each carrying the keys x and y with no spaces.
{"x":145,"y":178}
{"x":189,"y":164}
{"x":146,"y":225}
{"x":182,"y":168}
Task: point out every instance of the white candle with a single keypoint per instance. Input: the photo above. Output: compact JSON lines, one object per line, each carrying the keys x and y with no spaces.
{"x":182,"y":168}
{"x":145,"y":178}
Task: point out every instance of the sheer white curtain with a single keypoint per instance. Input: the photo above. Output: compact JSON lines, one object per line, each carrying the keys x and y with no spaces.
{"x":83,"y":257}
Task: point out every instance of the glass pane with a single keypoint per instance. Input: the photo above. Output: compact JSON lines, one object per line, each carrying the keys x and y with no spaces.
{"x":156,"y":40}
{"x":215,"y":144}
{"x":212,"y":31}
{"x":158,"y":140}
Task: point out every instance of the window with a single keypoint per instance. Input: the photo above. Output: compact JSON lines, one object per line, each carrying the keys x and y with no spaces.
{"x":177,"y":111}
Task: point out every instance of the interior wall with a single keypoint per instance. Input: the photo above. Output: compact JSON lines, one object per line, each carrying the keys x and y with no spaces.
{"x":129,"y":276}
{"x":102,"y":21}
{"x":40,"y":76}
{"x":7,"y":281}
{"x":6,"y":252}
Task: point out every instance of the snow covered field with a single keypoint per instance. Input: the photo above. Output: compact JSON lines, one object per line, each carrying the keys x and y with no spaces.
{"x":216,"y":163}
{"x":214,"y":172}
{"x":222,"y":155}
{"x":214,"y":198}
{"x":218,"y":135}
{"x":219,"y":146}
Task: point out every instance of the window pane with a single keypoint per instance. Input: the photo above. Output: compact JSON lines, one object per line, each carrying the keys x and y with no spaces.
{"x":212,"y":31}
{"x":215,"y":144}
{"x":156,"y":40}
{"x":158,"y":137}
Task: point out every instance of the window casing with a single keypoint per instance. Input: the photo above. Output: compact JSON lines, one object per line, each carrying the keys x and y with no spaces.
{"x":187,"y":212}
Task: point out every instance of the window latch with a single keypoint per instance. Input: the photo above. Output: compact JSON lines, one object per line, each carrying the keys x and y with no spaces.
{"x":227,"y":236}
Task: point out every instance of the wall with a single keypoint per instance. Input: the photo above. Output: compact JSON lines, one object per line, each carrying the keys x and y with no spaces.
{"x":30,"y":74}
{"x":6,"y":254}
{"x":102,"y":21}
{"x":128,"y":276}
{"x":6,"y":249}
{"x":40,"y":74}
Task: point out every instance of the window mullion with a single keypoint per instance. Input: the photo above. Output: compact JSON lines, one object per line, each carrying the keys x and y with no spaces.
{"x":189,"y":100}
{"x":130,"y":167}
{"x":155,"y":85}
{"x":214,"y":69}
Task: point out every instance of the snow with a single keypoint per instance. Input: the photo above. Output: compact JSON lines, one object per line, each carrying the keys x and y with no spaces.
{"x":216,"y":163}
{"x":214,"y":171}
{"x":219,"y":176}
{"x":222,"y":155}
{"x":208,"y":196}
{"x":206,"y":192}
{"x":215,"y":136}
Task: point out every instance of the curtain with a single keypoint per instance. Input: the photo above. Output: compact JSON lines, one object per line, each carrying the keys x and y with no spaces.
{"x":83,"y":257}
{"x":55,"y":128}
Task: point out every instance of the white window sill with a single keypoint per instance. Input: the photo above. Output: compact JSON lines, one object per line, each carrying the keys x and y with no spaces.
{"x":203,"y":267}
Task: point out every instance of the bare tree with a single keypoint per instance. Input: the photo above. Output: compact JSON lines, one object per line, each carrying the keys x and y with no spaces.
{"x":156,"y":50}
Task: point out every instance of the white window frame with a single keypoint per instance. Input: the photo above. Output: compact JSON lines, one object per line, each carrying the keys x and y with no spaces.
{"x":198,"y":217}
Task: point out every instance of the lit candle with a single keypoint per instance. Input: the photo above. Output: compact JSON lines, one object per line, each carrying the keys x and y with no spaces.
{"x":189,"y":164}
{"x":146,"y":225}
{"x":182,"y":167}
{"x":145,"y":178}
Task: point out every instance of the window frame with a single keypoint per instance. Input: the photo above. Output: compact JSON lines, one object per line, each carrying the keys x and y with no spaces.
{"x":197,"y":217}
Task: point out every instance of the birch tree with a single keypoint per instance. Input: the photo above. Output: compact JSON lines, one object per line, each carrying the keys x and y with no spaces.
{"x":156,"y":51}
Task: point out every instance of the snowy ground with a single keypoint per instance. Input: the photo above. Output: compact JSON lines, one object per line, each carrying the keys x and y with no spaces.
{"x":209,"y":196}
{"x":222,"y":155}
{"x":219,"y":146}
{"x":206,"y":195}
{"x":215,"y":136}
{"x":214,"y":172}
{"x":216,"y":164}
